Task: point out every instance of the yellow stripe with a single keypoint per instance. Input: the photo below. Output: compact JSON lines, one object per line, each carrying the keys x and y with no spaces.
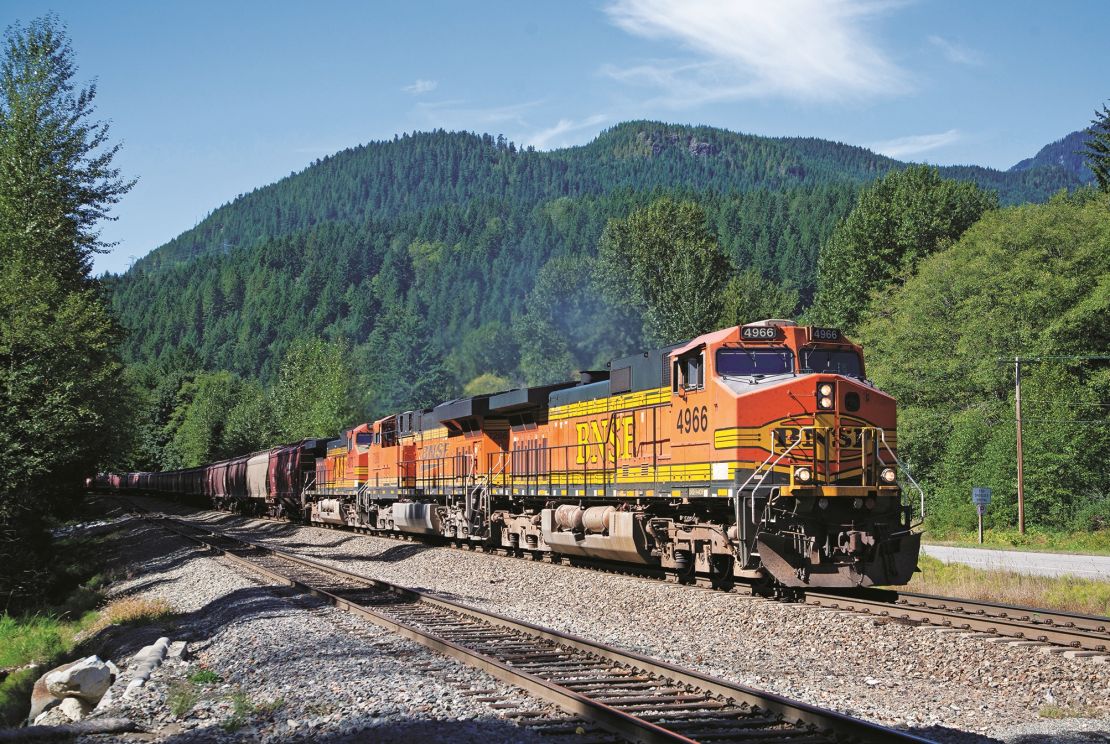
{"x":664,"y":474}
{"x":736,"y":436}
{"x":609,"y":404}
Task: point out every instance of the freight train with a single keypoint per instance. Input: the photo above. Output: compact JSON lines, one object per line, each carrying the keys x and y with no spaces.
{"x":758,"y":452}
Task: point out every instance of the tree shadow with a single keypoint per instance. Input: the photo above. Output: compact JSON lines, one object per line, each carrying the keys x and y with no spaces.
{"x":389,"y":555}
{"x":379,"y":730}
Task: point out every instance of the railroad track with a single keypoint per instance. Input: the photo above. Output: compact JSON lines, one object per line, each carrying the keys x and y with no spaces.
{"x":1084,"y":634}
{"x":1037,"y":625}
{"x":632,"y":696}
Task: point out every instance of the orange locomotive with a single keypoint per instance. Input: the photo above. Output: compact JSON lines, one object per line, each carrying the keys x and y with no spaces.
{"x":758,"y":452}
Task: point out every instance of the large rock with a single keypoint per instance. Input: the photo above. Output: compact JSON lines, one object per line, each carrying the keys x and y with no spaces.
{"x":41,"y":698}
{"x":75,"y":708}
{"x":87,"y":679}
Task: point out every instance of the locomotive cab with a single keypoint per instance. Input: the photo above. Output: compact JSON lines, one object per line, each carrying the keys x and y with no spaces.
{"x":819,"y":504}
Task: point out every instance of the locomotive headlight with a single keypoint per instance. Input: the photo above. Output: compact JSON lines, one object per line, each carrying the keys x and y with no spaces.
{"x":803,"y":475}
{"x":857,"y":503}
{"x":887,"y":475}
{"x":826,"y":396}
{"x":822,"y":503}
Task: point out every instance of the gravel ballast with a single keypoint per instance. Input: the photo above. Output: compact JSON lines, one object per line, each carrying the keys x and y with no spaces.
{"x":945,"y":686}
{"x":265,"y":663}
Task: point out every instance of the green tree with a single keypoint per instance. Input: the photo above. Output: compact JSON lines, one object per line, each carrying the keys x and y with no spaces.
{"x":490,"y":347}
{"x":749,"y":297}
{"x":403,"y":370}
{"x":1031,"y":281}
{"x":570,"y":322}
{"x":250,"y":423}
{"x":313,"y":393}
{"x":900,"y":219}
{"x":61,"y":383}
{"x":486,"y":383}
{"x":1097,"y":147}
{"x":200,"y":421}
{"x":663,"y":261}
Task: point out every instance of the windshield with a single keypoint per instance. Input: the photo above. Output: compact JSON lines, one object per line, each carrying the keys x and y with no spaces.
{"x":831,"y":360}
{"x":749,"y":362}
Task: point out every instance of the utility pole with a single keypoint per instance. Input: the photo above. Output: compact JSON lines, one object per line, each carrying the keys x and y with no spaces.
{"x":1020,"y":475}
{"x":1017,"y":412}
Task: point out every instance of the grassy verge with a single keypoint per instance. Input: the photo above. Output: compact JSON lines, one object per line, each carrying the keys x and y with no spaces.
{"x":1091,"y":543}
{"x":1060,"y":593}
{"x":72,"y":607}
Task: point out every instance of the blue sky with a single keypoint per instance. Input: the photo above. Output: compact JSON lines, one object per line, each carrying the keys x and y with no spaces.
{"x":212,"y":99}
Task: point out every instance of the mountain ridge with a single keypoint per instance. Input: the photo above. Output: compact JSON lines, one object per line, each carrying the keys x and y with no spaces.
{"x":1065,"y":152}
{"x":645,"y":154}
{"x":455,"y":244}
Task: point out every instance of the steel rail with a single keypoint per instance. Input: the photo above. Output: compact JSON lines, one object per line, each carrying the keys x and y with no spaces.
{"x":1059,"y":618}
{"x":1078,"y":631}
{"x":1086,"y":632}
{"x":798,"y":717}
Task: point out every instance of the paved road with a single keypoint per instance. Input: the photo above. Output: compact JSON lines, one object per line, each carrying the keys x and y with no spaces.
{"x":1038,"y":564}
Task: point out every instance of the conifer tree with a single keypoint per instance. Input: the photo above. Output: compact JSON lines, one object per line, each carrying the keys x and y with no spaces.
{"x":60,"y":379}
{"x":1097,"y":149}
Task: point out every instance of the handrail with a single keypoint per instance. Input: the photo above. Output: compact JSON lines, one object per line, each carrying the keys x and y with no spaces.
{"x":769,"y":470}
{"x":905,"y":469}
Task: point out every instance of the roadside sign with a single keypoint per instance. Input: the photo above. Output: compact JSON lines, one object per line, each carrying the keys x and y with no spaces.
{"x":980,"y":496}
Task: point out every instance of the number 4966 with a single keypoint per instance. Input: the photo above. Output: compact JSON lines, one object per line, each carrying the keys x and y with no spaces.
{"x":693,"y":419}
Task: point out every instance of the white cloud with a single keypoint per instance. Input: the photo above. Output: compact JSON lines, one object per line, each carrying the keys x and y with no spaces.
{"x":956,"y":52}
{"x":916,"y":144}
{"x":809,"y":50}
{"x":555,"y":136}
{"x":421,"y":86}
{"x":460,"y":114}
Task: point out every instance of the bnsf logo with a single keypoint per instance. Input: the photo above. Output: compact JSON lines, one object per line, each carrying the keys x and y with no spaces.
{"x":846,"y":437}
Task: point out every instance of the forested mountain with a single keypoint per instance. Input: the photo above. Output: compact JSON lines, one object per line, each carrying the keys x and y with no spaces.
{"x":441,"y":236}
{"x":1066,"y":153}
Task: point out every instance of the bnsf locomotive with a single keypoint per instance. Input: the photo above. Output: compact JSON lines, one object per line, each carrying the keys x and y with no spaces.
{"x":758,"y":452}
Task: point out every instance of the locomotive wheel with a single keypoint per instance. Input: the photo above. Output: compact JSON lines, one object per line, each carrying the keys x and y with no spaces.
{"x":720,"y":572}
{"x":684,"y":567}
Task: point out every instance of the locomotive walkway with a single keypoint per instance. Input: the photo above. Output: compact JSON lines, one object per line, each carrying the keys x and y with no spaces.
{"x":1035,"y":564}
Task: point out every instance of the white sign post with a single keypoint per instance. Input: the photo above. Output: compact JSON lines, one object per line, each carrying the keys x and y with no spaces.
{"x":981,"y":497}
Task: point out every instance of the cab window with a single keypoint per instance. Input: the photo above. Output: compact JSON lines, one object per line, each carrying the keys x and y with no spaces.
{"x":758,"y":362}
{"x":691,"y":370}
{"x":836,"y":361}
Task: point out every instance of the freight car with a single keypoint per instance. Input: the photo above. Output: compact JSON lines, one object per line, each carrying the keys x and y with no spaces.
{"x":758,"y":452}
{"x":267,"y":482}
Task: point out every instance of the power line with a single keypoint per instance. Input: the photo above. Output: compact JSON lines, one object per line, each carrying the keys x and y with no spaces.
{"x":1082,"y":357}
{"x":1073,"y":404}
{"x":1063,"y":421}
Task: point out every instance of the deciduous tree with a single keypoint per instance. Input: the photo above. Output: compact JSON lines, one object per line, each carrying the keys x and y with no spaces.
{"x":901,"y":218}
{"x":664,"y":262}
{"x":749,"y":297}
{"x":313,"y":393}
